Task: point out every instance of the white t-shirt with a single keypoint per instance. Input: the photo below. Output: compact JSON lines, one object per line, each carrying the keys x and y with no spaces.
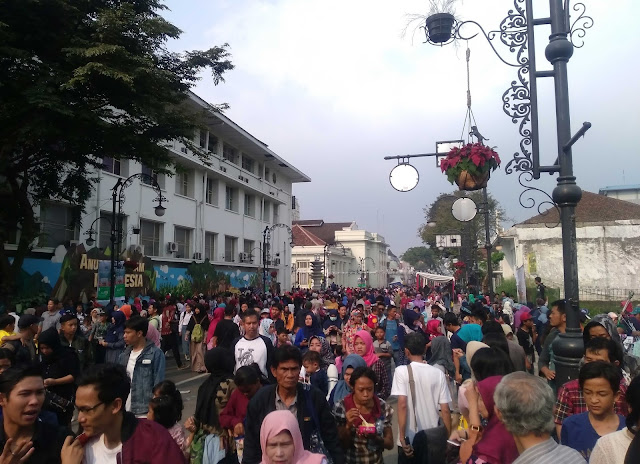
{"x":98,"y":453}
{"x":248,"y":352}
{"x":431,"y":391}
{"x":131,"y":365}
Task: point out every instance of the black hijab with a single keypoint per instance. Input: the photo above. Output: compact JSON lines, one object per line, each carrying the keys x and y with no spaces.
{"x":220,"y":363}
{"x":51,"y":338}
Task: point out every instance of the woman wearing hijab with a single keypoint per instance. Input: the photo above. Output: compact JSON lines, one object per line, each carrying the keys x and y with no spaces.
{"x":196,"y":350}
{"x":363,"y":346}
{"x":332,"y":329}
{"x":60,"y":368}
{"x":213,"y":396}
{"x":327,"y":360}
{"x":114,"y":338}
{"x":602,"y":326}
{"x":342,"y":387}
{"x":281,"y":441}
{"x":493,"y":443}
{"x":441,"y":356}
{"x":218,"y":315}
{"x":353,"y":326}
{"x":470,"y":332}
{"x":267,"y":329}
{"x":309,"y":329}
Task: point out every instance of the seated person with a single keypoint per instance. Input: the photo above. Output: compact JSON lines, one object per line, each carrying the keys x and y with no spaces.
{"x":600,"y":385}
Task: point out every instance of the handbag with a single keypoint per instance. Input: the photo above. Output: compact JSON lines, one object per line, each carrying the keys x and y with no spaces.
{"x":316,"y":444}
{"x":429,"y":445}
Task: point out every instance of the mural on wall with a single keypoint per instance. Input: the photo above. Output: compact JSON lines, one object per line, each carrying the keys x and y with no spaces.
{"x":73,"y":273}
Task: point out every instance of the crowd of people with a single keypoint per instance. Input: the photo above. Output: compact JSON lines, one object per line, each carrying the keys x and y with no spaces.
{"x":316,"y":377}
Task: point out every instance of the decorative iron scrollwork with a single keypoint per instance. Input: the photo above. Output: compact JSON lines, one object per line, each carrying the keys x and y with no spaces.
{"x":528,"y":201}
{"x":580,"y":25}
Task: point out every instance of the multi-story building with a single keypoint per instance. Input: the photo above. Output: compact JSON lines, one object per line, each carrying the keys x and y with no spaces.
{"x":352,"y":256}
{"x":216,"y":212}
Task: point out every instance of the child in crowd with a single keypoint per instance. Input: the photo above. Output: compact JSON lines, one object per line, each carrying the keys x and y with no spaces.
{"x":317,"y":377}
{"x":383,"y":349}
{"x":248,"y":382}
{"x":600,"y":385}
{"x":284,"y":338}
{"x":165,"y":408}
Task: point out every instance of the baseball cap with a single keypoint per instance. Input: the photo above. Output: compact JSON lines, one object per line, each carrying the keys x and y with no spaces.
{"x":265,"y":311}
{"x":525,"y":317}
{"x":28,"y":319}
{"x":67,"y":316}
{"x":636,"y":310}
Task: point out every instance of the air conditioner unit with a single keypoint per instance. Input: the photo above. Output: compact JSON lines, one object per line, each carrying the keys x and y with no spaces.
{"x":246,"y":180}
{"x":223,"y":169}
{"x":276,"y":262}
{"x":243,"y":257}
{"x":197,"y":255}
{"x":172,"y":247}
{"x":184,"y":150}
{"x":136,"y":249}
{"x":241,"y":177}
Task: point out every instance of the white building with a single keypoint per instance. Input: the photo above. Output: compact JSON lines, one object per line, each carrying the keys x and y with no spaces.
{"x":352,"y":256}
{"x":622,"y":192}
{"x":216,"y":212}
{"x":608,"y":244}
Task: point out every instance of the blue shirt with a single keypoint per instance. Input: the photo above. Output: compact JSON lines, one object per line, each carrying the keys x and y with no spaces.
{"x":391,"y":331}
{"x":578,"y":433}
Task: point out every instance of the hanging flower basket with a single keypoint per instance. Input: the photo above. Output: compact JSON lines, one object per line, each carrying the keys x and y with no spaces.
{"x":331,"y":276}
{"x":440,"y":27}
{"x":470,"y":166}
{"x":274,"y":274}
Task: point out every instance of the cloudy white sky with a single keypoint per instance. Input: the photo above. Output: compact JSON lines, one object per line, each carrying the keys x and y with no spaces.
{"x":333,"y":87}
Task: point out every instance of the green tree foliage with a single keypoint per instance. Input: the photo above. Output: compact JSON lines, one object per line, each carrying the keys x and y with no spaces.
{"x":440,"y":221}
{"x":80,"y":80}
{"x":421,"y":258}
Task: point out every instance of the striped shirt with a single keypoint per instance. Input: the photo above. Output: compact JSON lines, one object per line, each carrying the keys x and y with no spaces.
{"x":549,"y":452}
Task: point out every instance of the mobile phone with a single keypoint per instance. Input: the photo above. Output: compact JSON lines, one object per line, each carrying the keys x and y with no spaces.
{"x":454,"y":442}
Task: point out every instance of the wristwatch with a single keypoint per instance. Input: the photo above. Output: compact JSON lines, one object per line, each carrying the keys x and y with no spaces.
{"x":476,"y":428}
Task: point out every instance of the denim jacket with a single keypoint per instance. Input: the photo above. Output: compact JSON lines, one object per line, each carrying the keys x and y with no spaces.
{"x":149,"y":371}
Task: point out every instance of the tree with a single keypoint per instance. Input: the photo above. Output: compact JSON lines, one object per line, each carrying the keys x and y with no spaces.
{"x":440,"y":221}
{"x":421,"y":258}
{"x":80,"y":81}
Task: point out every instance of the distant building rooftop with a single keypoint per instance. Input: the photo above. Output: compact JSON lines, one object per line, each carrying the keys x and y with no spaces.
{"x":618,"y":188}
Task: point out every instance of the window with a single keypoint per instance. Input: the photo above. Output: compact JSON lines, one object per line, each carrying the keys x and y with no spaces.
{"x":229,"y":153}
{"x":267,"y":172}
{"x":212,"y":191}
{"x":203,"y":138}
{"x":210,"y":246}
{"x":183,"y":238}
{"x":104,"y":230}
{"x":249,"y":205}
{"x":304,"y":279}
{"x":230,"y":248}
{"x":247,"y":163}
{"x":56,"y":225}
{"x":276,"y":216}
{"x":184,"y":184}
{"x":266,"y":215}
{"x":212,"y":145}
{"x":302,"y":264}
{"x":249,"y":246}
{"x":159,"y":178}
{"x":111,"y":165}
{"x":231,"y":199}
{"x":151,"y":237}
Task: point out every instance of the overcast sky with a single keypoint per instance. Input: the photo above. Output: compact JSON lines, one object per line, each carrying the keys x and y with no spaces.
{"x":333,"y":87}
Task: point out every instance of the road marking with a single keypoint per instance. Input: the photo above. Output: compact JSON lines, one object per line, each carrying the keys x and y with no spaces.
{"x":191,"y":379}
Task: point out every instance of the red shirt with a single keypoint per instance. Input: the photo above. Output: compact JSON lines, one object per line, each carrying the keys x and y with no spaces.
{"x":235,"y":411}
{"x":372,"y":321}
{"x":168,"y":314}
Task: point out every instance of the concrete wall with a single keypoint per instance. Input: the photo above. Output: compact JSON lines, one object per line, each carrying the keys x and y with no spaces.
{"x":608,"y":256}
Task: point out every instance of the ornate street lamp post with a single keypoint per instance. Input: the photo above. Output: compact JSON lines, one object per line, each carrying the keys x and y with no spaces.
{"x":266,"y":237}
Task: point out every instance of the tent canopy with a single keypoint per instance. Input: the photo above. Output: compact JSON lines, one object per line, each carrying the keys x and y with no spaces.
{"x":425,"y":278}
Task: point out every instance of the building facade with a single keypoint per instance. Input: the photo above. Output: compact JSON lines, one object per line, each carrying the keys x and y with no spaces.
{"x":215,"y":212}
{"x":353,"y":257}
{"x":608,"y":244}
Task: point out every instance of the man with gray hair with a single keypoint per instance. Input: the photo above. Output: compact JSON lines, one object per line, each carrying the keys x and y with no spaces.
{"x":524,"y":404}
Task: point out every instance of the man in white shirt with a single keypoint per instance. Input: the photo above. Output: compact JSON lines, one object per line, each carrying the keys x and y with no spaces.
{"x":253,"y":347}
{"x":431,"y":400}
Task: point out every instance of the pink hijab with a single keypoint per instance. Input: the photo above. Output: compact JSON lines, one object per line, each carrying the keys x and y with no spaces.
{"x":218,"y":315}
{"x":370,"y":356}
{"x":279,"y":421}
{"x":432,"y":328}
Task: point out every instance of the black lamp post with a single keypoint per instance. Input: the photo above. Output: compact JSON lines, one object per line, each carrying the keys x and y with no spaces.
{"x":520,"y":103}
{"x":266,"y":237}
{"x":117,"y":200}
{"x":363,"y":270}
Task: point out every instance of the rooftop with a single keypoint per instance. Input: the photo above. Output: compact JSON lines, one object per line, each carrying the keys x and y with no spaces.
{"x":324,"y":232}
{"x":592,"y":208}
{"x":619,"y":188}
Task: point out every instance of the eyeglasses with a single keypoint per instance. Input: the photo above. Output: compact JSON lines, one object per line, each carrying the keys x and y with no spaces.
{"x":88,"y":410}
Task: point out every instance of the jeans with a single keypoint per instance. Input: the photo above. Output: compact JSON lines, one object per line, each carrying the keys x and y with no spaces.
{"x":185,"y":343}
